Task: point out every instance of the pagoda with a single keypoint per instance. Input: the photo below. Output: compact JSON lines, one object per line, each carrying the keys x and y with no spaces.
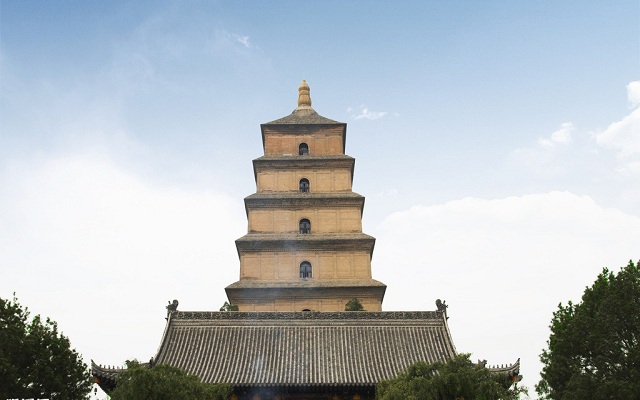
{"x":302,"y":260}
{"x":305,"y":250}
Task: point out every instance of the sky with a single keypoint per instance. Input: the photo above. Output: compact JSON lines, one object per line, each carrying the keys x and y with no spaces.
{"x":497,"y":145}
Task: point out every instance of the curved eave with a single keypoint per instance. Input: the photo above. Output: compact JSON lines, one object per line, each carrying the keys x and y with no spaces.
{"x":511,"y":371}
{"x":105,"y":376}
{"x":320,"y":242}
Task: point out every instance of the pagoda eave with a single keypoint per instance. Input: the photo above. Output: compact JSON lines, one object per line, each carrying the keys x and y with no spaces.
{"x":295,"y":201}
{"x":300,"y":242}
{"x":246,"y":290}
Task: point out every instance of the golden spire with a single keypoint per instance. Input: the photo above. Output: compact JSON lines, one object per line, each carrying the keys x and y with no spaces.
{"x":304,"y":101}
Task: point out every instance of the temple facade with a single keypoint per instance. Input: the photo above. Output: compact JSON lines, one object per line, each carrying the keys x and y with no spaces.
{"x":302,"y":260}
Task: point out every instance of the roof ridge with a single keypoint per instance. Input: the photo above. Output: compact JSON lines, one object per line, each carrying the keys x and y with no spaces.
{"x":308,"y":315}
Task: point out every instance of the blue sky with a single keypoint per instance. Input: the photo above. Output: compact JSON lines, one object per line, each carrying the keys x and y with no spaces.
{"x":497,"y":143}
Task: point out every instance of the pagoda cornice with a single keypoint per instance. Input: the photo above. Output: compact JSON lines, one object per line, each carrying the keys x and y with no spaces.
{"x":251,"y":290}
{"x":296,"y":200}
{"x":296,"y":161}
{"x":305,"y":242}
{"x":307,"y":162}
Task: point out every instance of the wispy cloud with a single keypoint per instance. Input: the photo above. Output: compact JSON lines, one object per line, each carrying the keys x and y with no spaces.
{"x":227,"y":38}
{"x":243,"y":40}
{"x":387,"y":193}
{"x":370,"y":115}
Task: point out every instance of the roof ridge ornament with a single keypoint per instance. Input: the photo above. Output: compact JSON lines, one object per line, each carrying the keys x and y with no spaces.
{"x":303,"y":94}
{"x":304,"y":100}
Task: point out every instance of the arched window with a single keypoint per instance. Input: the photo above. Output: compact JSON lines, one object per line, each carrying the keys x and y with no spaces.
{"x":305,"y":226}
{"x":304,"y":185}
{"x":303,"y":149}
{"x":305,"y":269}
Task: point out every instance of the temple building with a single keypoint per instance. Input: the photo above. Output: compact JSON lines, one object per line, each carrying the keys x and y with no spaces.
{"x":302,"y":260}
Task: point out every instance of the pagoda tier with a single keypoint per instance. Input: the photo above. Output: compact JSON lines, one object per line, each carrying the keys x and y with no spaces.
{"x":322,"y":169}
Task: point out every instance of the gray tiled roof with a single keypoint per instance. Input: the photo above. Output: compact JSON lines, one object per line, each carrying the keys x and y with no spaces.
{"x":308,"y":116}
{"x":303,"y":348}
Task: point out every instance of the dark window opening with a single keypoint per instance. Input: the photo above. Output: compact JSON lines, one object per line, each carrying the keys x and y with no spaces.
{"x":303,"y":149}
{"x":305,"y":226}
{"x":304,"y":185}
{"x":305,"y":269}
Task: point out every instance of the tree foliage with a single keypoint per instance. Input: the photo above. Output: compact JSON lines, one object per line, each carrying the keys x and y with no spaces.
{"x":36,"y":361}
{"x":458,"y":378}
{"x":229,"y":307}
{"x":354,"y":305}
{"x":593,"y":350}
{"x":164,"y":382}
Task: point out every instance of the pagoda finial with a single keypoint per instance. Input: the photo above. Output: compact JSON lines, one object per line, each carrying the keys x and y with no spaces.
{"x":304,"y":101}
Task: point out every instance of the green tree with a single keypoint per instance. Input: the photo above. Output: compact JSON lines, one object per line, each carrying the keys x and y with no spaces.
{"x":164,"y":382}
{"x":353,"y":305}
{"x":458,"y":378}
{"x":36,"y":361}
{"x":593,"y":350}
{"x":228,"y":307}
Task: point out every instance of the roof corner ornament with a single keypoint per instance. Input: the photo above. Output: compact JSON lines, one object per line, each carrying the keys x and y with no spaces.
{"x":172,"y":307}
{"x":442,"y":307}
{"x":304,"y":100}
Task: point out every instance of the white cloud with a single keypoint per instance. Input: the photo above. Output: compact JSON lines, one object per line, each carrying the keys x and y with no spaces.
{"x":623,"y":136}
{"x":633,"y":93}
{"x":630,"y":168}
{"x":95,"y":248}
{"x":562,"y":136}
{"x":370,"y":115}
{"x":502,"y":265}
{"x":556,"y":155}
{"x":546,"y":158}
